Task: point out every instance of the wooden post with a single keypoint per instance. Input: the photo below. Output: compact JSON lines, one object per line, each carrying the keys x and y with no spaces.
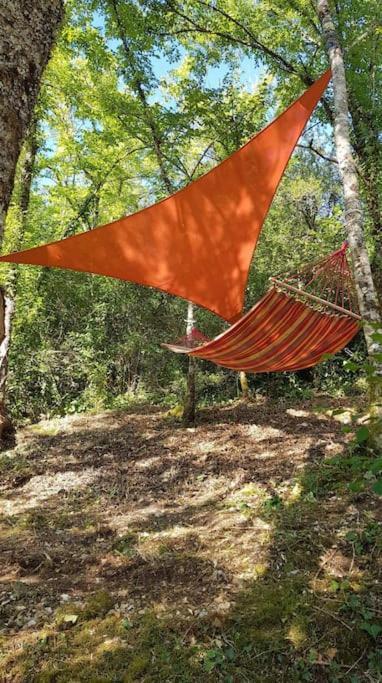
{"x":190,"y":397}
{"x":244,"y":385}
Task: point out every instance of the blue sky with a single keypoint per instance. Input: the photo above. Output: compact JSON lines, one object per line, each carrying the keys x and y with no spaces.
{"x":250,"y":73}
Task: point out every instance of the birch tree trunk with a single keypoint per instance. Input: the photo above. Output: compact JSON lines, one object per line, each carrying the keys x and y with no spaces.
{"x":27,"y":32}
{"x":366,"y":291}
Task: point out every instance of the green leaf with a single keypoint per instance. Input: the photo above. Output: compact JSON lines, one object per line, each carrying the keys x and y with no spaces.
{"x":356,"y":486}
{"x":230,"y":654}
{"x":372,"y":629}
{"x":126,"y":623}
{"x":376,"y":466}
{"x":70,"y":618}
{"x":362,"y":434}
{"x":346,"y":429}
{"x":326,"y":356}
{"x":350,"y":365}
{"x":334,"y":586}
{"x":377,"y":487}
{"x":351,"y":536}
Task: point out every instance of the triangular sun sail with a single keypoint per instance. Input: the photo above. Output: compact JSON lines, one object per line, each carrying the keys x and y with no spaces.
{"x":198,"y":243}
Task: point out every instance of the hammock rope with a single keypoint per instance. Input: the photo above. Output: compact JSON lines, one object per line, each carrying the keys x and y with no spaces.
{"x":296,"y":325}
{"x":327,"y":284}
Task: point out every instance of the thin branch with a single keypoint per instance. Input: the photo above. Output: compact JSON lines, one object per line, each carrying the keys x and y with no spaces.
{"x":319,"y":153}
{"x":254,"y":44}
{"x":92,"y":194}
{"x":201,"y":159}
{"x":307,"y":16}
{"x":255,"y":41}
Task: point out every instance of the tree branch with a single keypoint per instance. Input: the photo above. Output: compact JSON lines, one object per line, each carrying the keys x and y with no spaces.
{"x":317,"y":151}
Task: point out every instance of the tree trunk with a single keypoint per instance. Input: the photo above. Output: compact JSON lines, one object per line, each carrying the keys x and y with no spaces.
{"x":27,"y":32}
{"x":190,"y":397}
{"x":367,"y":145}
{"x":366,"y":290}
{"x":367,"y":296}
{"x":26,"y":176}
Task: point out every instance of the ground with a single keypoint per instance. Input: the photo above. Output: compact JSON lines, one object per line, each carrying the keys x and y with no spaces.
{"x":134,"y":549}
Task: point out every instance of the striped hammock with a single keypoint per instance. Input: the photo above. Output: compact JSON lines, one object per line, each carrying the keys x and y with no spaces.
{"x":299,"y":322}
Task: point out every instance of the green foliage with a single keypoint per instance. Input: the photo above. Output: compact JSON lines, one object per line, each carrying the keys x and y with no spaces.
{"x":199,"y":75}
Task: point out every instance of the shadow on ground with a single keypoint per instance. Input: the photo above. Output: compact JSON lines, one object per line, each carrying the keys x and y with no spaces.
{"x":136,"y":550}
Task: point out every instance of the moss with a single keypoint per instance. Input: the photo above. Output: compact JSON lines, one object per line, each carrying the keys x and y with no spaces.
{"x":297,"y":632}
{"x":137,"y":666}
{"x":98,"y":605}
{"x":34,"y":520}
{"x":126,"y":545}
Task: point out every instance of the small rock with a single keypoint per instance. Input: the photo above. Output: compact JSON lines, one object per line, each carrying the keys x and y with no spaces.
{"x":65,"y":597}
{"x":30,"y":623}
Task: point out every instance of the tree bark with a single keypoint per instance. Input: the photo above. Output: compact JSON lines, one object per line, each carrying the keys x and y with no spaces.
{"x":366,"y":291}
{"x":27,"y":32}
{"x":26,"y":177}
{"x":365,"y":286}
{"x":367,"y":145}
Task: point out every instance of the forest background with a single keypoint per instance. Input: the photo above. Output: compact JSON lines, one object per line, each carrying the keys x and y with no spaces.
{"x":138,"y":100}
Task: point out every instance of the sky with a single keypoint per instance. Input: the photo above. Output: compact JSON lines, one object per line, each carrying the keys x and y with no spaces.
{"x":250,"y":73}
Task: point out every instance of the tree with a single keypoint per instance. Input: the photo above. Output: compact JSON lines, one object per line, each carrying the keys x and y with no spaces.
{"x":27,"y":32}
{"x":286,"y":37}
{"x":26,"y":174}
{"x":366,"y":291}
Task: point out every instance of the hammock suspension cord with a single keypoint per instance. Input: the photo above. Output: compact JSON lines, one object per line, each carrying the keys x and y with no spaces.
{"x":326,"y":284}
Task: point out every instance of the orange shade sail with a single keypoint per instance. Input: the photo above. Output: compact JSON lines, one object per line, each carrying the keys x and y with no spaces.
{"x":279,"y":333}
{"x":197,"y":243}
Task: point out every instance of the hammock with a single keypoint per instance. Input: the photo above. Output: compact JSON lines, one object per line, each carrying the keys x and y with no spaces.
{"x":198,"y":243}
{"x":300,"y":320}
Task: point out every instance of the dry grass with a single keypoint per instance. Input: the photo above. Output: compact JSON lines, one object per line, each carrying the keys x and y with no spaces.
{"x":133,"y":549}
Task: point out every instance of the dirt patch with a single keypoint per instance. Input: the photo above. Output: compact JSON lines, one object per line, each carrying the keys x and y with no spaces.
{"x":176,"y":521}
